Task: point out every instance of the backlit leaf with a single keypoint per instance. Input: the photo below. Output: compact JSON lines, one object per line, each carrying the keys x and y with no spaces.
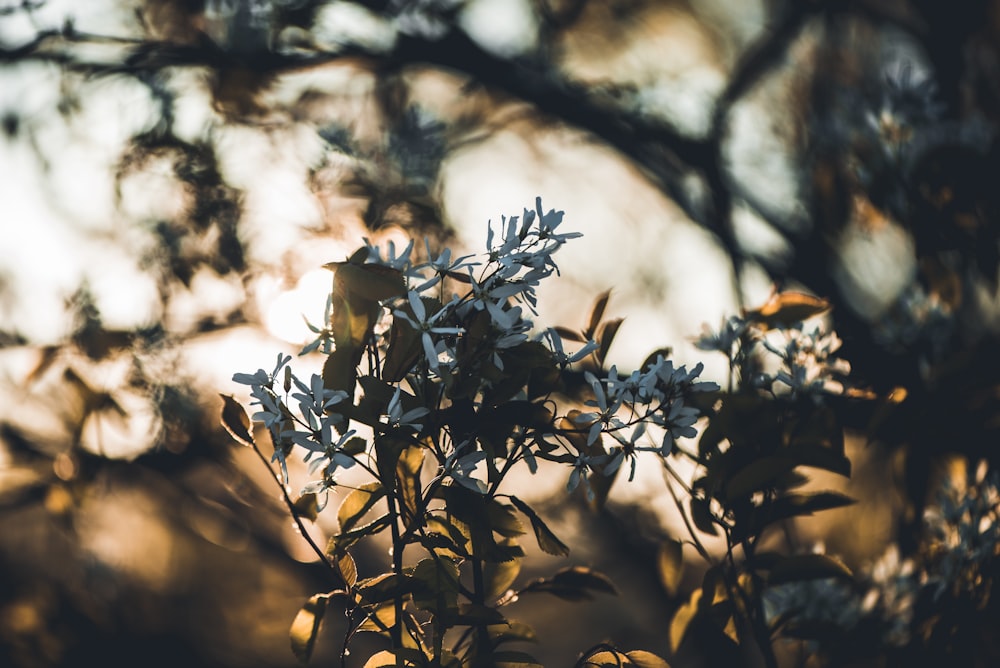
{"x":306,"y":625}
{"x":683,"y":618}
{"x":236,"y":421}
{"x":347,"y":568}
{"x":306,"y":507}
{"x":670,"y":565}
{"x":573,"y":584}
{"x":498,"y":577}
{"x":547,"y":541}
{"x":503,"y":520}
{"x":788,"y":308}
{"x":643,"y":659}
{"x":391,"y":659}
{"x":357,"y":503}
{"x":381,"y":618}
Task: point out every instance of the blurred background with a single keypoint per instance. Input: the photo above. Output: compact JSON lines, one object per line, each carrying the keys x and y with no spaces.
{"x":175,"y":172}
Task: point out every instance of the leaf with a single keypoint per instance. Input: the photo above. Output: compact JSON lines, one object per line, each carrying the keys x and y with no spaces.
{"x":670,"y":565}
{"x":385,"y":587}
{"x":797,"y":505}
{"x":380,"y":619}
{"x":606,"y":659}
{"x":347,"y":568}
{"x":435,"y":586}
{"x":547,"y":541}
{"x":235,"y":420}
{"x":509,"y":659}
{"x":573,"y":584}
{"x":607,"y":336}
{"x":644,"y":659}
{"x":388,"y":659}
{"x":682,"y":619}
{"x":503,"y":520}
{"x":306,"y":506}
{"x":306,"y":626}
{"x":498,"y":577}
{"x":357,"y":503}
{"x":512,"y":631}
{"x":597,"y":313}
{"x":370,"y":282}
{"x":408,"y":478}
{"x":807,"y":567}
{"x":567,"y":334}
{"x":405,"y":349}
{"x":472,"y":614}
{"x":701,"y":515}
{"x":788,"y":308}
{"x":759,"y":474}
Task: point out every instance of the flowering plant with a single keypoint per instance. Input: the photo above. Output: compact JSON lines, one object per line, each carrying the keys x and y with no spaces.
{"x":436,"y":385}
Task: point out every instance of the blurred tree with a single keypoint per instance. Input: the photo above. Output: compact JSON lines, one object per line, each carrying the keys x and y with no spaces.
{"x":167,"y":163}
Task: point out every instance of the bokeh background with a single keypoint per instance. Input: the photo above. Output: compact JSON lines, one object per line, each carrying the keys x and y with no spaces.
{"x":174,"y":173}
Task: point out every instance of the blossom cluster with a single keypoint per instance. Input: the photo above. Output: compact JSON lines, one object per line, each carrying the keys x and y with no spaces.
{"x":797,"y":359}
{"x":457,"y":330}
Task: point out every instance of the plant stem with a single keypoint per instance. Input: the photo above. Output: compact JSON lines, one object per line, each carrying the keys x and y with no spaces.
{"x":291,"y":509}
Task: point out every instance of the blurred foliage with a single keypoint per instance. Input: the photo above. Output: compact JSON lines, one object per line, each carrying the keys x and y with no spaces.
{"x":132,"y":531}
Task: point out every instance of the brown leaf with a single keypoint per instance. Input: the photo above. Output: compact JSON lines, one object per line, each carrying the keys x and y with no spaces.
{"x":235,"y":420}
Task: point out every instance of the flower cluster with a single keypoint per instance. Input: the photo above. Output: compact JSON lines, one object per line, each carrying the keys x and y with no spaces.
{"x":796,"y":358}
{"x":448,"y":337}
{"x":963,"y":536}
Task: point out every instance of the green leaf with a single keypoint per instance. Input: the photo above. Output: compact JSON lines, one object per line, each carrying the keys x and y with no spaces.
{"x":306,"y":625}
{"x":408,"y":478}
{"x":445,"y":538}
{"x":356,"y":504}
{"x":573,"y":584}
{"x":670,"y":565}
{"x":547,"y":541}
{"x":807,"y":567}
{"x":503,"y":520}
{"x":499,"y":576}
{"x":435,"y":586}
{"x":345,"y":540}
{"x":235,"y":420}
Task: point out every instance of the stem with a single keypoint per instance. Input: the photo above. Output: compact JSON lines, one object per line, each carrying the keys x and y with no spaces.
{"x":397,"y":566}
{"x":479,"y":598}
{"x":291,"y":509}
{"x":687,"y":523}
